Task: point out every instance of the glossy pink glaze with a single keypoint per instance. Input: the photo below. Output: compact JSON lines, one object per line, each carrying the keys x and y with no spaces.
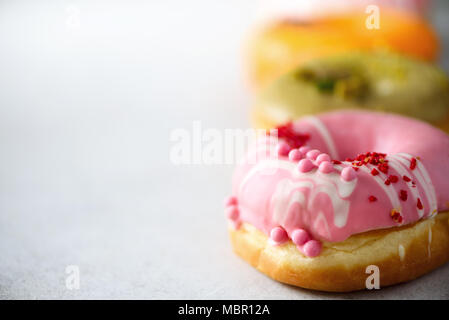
{"x":331,"y":206}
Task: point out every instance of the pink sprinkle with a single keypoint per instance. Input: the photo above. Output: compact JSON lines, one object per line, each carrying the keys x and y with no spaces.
{"x":322,"y":157}
{"x":326,"y":167}
{"x":230,"y":201}
{"x":300,"y":236}
{"x":348,"y":174}
{"x":283,"y":148}
{"x":313,"y":154}
{"x":232,"y":213}
{"x":278,"y":235}
{"x":295,"y":155}
{"x":312,"y":248}
{"x":305,"y":149}
{"x":305,"y":165}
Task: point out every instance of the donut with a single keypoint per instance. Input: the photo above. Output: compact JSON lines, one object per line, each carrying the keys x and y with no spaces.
{"x":372,"y":81}
{"x":319,"y":200}
{"x":284,"y":44}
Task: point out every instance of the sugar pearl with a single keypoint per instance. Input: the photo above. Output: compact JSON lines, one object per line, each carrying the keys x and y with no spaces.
{"x":300,"y":236}
{"x":230,"y":201}
{"x":232,"y":213}
{"x":278,"y":235}
{"x":322,"y":157}
{"x":305,"y":149}
{"x":313,"y":154}
{"x":312,"y":248}
{"x":283,"y":148}
{"x":305,"y":165}
{"x":348,"y":174}
{"x":326,"y":167}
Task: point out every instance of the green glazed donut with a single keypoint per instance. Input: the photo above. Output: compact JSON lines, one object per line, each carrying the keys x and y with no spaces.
{"x":379,"y":81}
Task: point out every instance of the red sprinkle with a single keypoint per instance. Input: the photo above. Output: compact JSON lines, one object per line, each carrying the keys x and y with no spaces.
{"x":393,"y":179}
{"x":383,"y":167}
{"x":336,"y":162}
{"x":406,"y":179}
{"x":372,"y":199}
{"x":356,"y":168}
{"x":419,"y":204}
{"x":371,"y":158}
{"x":403,"y":195}
{"x":396,"y":216}
{"x":291,"y":136}
{"x":387,"y":182}
{"x":413,"y":164}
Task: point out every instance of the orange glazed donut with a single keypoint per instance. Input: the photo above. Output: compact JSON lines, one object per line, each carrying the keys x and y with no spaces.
{"x":284,"y":45}
{"x":329,"y":196}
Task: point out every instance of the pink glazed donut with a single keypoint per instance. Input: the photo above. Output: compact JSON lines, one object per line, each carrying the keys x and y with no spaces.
{"x":318,"y":201}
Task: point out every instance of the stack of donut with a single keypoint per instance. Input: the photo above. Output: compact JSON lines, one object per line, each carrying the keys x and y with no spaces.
{"x":353,"y":171}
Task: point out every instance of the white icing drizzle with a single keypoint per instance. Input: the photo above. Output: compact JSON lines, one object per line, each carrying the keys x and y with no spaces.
{"x":284,"y":188}
{"x":321,"y":218}
{"x":341,"y":208}
{"x":298,"y":197}
{"x":401,"y":252}
{"x":319,"y":125}
{"x":399,"y":168}
{"x":423,"y":178}
{"x":330,"y":184}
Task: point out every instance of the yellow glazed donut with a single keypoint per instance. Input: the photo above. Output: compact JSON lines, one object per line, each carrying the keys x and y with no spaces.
{"x":279,"y":47}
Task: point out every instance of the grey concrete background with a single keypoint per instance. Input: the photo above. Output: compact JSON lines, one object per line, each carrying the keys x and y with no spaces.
{"x":86,"y":111}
